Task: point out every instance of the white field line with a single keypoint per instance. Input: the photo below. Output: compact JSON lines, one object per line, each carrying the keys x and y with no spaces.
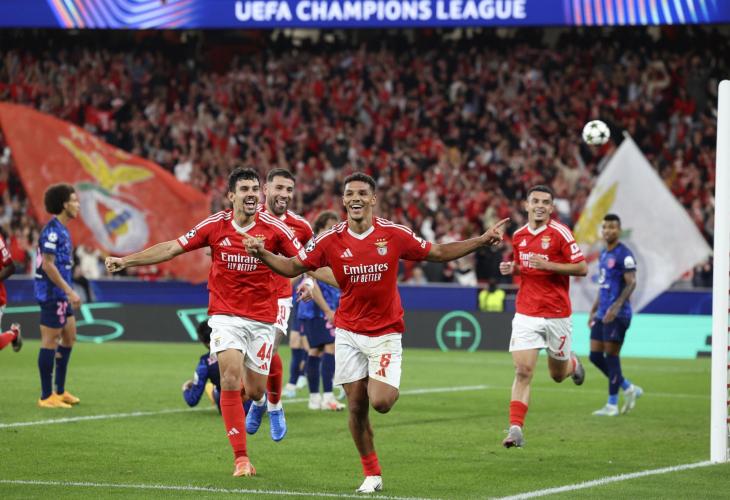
{"x":605,"y":480}
{"x":200,"y":489}
{"x":110,"y":416}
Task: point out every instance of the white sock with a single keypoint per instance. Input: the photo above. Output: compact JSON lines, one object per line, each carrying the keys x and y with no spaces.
{"x":274,"y":406}
{"x":261,"y":402}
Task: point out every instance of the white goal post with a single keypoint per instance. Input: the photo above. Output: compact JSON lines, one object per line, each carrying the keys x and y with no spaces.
{"x":721,"y":283}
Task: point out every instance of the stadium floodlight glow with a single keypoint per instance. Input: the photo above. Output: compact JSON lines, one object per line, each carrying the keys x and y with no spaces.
{"x":721,"y":283}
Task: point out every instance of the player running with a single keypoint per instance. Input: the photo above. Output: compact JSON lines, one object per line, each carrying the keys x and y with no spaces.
{"x":363,"y":253}
{"x":610,"y":316}
{"x":278,"y":191}
{"x":546,"y":255}
{"x":57,"y":300}
{"x":241,"y":307}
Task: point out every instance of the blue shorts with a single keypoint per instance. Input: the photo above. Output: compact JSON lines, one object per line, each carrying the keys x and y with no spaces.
{"x":317,"y":332}
{"x":615,"y":331}
{"x":295,"y":324}
{"x":55,"y":312}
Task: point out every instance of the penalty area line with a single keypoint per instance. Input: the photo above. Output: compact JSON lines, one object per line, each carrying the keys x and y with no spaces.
{"x":67,"y":420}
{"x":605,"y":480}
{"x":201,"y":489}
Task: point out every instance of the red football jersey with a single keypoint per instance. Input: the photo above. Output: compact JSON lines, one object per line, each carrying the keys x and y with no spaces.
{"x":241,"y":285}
{"x":6,"y":261}
{"x":544,"y":294}
{"x":366,"y":269}
{"x":303,"y":231}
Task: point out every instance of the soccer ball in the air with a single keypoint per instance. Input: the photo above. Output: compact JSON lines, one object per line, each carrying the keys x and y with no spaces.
{"x":596,"y":133}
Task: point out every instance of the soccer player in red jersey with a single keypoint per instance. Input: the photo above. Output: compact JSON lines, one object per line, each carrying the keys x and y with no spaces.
{"x":241,"y":306}
{"x":278,"y":193}
{"x":7,"y":268}
{"x":363,"y":253}
{"x":546,"y":255}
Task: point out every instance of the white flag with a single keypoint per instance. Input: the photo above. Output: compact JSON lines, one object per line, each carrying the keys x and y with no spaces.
{"x":655,"y":226}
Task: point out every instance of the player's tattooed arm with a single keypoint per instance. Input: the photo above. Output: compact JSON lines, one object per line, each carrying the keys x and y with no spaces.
{"x":153,"y":255}
{"x":629,"y":287}
{"x":285,"y":266}
{"x":445,"y":252}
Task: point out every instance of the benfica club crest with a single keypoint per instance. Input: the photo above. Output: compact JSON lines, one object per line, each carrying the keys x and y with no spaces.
{"x":382,"y":246}
{"x":545,"y":243}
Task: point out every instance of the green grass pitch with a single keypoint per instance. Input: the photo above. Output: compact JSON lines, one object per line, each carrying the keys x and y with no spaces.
{"x":442,"y":444}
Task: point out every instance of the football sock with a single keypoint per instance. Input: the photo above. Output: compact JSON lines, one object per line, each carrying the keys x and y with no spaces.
{"x":313,"y":374}
{"x":626,"y":384}
{"x":297,"y":355}
{"x":273,"y":383}
{"x":613,"y":399}
{"x":261,"y":402}
{"x":614,"y":369}
{"x":328,"y":371}
{"x":45,"y":368}
{"x":599,"y":361}
{"x":235,"y":421}
{"x":370,"y":465}
{"x":6,"y":338}
{"x":517,"y":412}
{"x":62,"y":357}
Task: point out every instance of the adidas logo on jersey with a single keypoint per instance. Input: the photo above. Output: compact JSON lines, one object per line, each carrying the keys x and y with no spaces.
{"x":524,"y":243}
{"x":233,"y":432}
{"x":226,"y":242}
{"x":347,"y":254}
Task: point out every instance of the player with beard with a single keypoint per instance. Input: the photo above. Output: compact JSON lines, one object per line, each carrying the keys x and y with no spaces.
{"x":278,"y":195}
{"x":364,"y":253}
{"x":241,"y":307}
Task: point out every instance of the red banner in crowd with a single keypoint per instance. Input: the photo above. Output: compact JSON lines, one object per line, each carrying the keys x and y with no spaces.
{"x":127,"y":202}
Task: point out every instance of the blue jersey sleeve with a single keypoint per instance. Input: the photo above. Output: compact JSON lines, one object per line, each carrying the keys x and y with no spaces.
{"x":48,"y":240}
{"x":193,"y":394}
{"x":628,"y":263}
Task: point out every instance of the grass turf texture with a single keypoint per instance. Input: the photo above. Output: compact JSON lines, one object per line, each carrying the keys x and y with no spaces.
{"x":435,"y":445}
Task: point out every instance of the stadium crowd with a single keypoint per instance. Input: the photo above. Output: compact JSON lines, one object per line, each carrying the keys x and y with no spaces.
{"x":453,"y":129}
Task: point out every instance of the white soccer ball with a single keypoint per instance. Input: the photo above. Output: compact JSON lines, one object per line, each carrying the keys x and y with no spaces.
{"x":596,"y":133}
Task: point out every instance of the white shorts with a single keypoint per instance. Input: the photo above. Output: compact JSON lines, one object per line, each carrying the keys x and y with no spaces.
{"x":359,"y":356}
{"x":553,"y":334}
{"x":282,"y":316}
{"x":253,"y":338}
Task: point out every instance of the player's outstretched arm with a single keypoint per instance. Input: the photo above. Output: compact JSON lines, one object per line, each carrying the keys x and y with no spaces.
{"x":445,"y":252}
{"x":153,"y":255}
{"x":286,"y":266}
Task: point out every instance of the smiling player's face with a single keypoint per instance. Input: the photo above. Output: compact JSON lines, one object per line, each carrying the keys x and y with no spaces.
{"x":539,"y":207}
{"x":359,"y":200}
{"x":245,"y":198}
{"x":279,"y":193}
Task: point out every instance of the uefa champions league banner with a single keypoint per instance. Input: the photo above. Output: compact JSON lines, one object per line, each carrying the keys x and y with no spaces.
{"x":127,"y":202}
{"x":180,"y":14}
{"x":655,"y":226}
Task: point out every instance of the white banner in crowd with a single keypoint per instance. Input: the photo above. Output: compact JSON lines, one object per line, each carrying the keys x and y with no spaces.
{"x":656,"y":227}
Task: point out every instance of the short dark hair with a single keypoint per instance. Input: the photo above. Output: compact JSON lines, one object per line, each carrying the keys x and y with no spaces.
{"x":204,"y":331}
{"x":541,"y":188}
{"x":359,"y":176}
{"x":280,"y":172}
{"x":241,"y":173}
{"x":612,"y":218}
{"x":56,"y":196}
{"x":322,"y":218}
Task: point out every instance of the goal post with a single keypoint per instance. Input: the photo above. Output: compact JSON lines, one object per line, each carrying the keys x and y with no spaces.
{"x":721,"y":283}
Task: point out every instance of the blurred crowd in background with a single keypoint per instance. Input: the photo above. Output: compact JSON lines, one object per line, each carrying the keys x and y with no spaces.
{"x":454,"y":126}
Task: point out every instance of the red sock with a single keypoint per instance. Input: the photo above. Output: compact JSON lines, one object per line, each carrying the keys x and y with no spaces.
{"x":517,"y":412}
{"x":370,"y":465}
{"x":235,"y":421}
{"x":6,"y":338}
{"x":273,"y":383}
